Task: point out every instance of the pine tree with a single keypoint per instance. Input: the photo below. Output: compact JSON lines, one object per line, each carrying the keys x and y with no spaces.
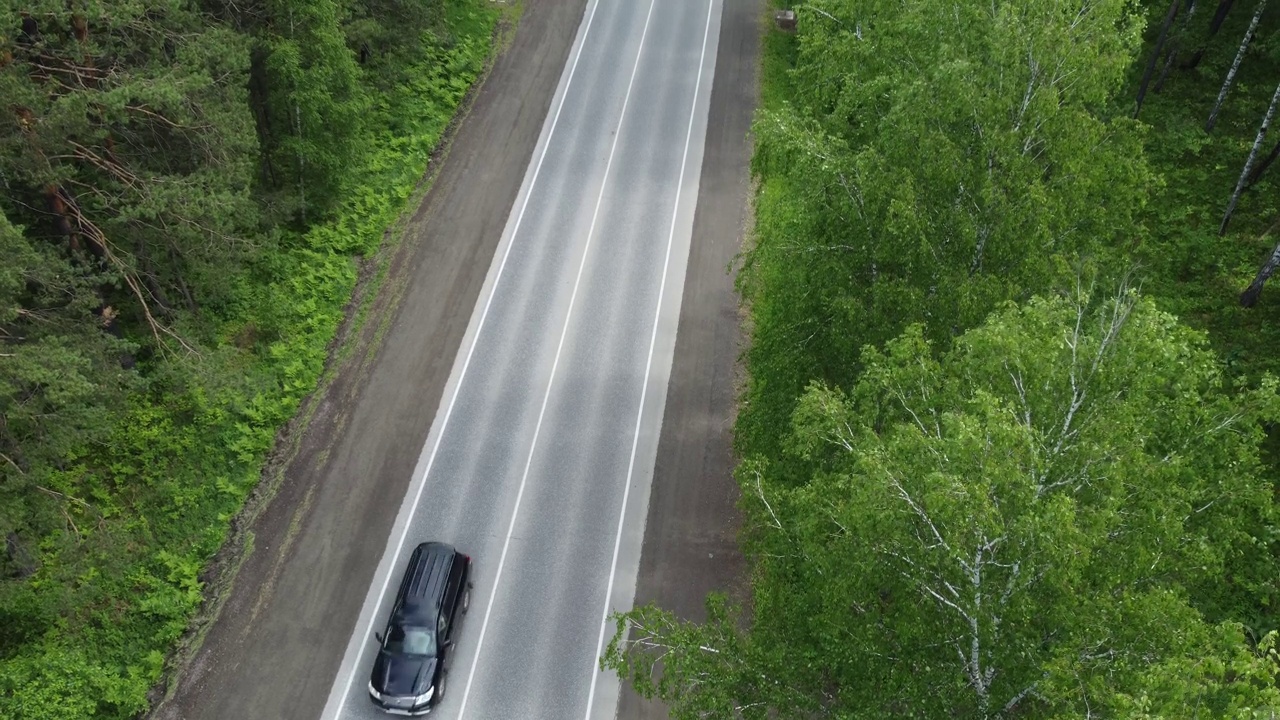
{"x":127,"y":141}
{"x":61,"y":379}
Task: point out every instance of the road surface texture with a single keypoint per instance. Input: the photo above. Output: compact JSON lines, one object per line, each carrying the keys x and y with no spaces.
{"x":541,"y":455}
{"x":567,"y":348}
{"x":690,"y":543}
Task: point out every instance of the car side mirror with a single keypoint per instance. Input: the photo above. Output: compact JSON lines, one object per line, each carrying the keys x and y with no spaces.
{"x":378,"y":636}
{"x":449,"y":644}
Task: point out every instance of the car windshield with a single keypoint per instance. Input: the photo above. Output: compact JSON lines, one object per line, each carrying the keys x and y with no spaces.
{"x":410,"y":640}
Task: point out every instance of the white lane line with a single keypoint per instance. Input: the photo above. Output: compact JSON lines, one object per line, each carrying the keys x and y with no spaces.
{"x":648,"y":367}
{"x":475,"y":339}
{"x":564,"y":332}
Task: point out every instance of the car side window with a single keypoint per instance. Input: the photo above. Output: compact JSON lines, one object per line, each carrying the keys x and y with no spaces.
{"x":455,"y":583}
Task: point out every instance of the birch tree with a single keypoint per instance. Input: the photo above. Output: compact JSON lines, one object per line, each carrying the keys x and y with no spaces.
{"x":1250,"y":296}
{"x":316,"y":107}
{"x":1010,"y":529}
{"x":1258,"y":139}
{"x":1235,"y":65}
{"x":941,"y":158}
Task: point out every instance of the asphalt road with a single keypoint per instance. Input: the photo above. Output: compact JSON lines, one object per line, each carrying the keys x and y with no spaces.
{"x":541,"y":454}
{"x":293,"y":604}
{"x":690,"y":543}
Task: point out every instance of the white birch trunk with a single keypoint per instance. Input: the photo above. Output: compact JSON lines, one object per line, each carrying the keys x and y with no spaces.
{"x":1248,"y":163}
{"x":1235,"y":66}
{"x":1249,"y":297}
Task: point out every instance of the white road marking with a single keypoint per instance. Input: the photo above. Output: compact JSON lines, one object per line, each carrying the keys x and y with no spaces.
{"x":653,"y":341}
{"x":493,"y":291}
{"x":604,"y":183}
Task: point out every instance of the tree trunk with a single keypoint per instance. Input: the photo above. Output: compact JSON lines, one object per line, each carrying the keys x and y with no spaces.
{"x":58,"y":210}
{"x":1219,"y":15}
{"x":21,"y":560}
{"x":1249,"y":297}
{"x":1224,"y":6}
{"x":1168,"y":64}
{"x":259,"y":101}
{"x":1256,"y":175}
{"x":152,"y":283}
{"x":1155,"y":54}
{"x":1248,"y":163}
{"x":176,"y":261}
{"x":1235,"y":66}
{"x":297,"y":129}
{"x":1173,"y":47}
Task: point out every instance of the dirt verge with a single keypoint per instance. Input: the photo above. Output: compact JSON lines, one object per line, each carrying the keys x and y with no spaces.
{"x":690,"y":542}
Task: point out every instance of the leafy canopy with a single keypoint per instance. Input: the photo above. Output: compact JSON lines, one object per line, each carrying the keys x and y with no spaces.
{"x":933,"y":160}
{"x":1017,"y":526}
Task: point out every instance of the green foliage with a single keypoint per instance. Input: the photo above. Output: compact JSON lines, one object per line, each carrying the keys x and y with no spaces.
{"x":930,"y":161}
{"x":1013,"y":527}
{"x":1194,"y":273}
{"x":127,"y":137}
{"x":1061,"y":509}
{"x":60,"y":379}
{"x":737,"y":678}
{"x":1191,"y":270}
{"x":387,"y":35}
{"x":318,"y":114}
{"x":124,"y":481}
{"x":1238,"y":681}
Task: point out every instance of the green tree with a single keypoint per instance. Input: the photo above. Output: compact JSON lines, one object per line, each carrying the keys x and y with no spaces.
{"x":60,"y":381}
{"x":1018,"y":526}
{"x":315,"y":105}
{"x":936,"y":158}
{"x":126,"y":139}
{"x":386,"y":35}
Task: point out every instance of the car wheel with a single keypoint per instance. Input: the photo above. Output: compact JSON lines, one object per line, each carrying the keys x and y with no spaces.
{"x":440,"y":687}
{"x":466,"y":600}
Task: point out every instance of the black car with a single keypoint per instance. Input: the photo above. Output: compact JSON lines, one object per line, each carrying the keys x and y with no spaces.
{"x":408,"y":677}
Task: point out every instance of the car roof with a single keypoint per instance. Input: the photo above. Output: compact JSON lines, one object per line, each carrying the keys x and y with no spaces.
{"x":424,"y":583}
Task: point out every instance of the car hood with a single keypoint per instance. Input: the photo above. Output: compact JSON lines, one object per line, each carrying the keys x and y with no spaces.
{"x":403,"y":675}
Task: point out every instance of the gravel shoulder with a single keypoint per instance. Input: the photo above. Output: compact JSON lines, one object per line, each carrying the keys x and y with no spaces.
{"x":690,"y":542}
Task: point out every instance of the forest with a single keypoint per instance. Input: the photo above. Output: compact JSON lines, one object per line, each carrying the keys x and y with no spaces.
{"x":1007,"y":446}
{"x":191,"y":189}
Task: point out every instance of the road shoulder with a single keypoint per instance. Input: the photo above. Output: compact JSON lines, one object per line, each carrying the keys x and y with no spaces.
{"x":690,"y":543}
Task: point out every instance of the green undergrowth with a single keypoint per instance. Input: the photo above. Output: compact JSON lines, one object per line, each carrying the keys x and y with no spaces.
{"x":88,"y":634}
{"x":1196,"y":273}
{"x":1178,"y":258}
{"x":757,"y":427}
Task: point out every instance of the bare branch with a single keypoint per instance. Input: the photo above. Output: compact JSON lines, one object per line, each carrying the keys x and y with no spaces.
{"x":130,"y":277}
{"x":14,"y":464}
{"x":1013,"y":702}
